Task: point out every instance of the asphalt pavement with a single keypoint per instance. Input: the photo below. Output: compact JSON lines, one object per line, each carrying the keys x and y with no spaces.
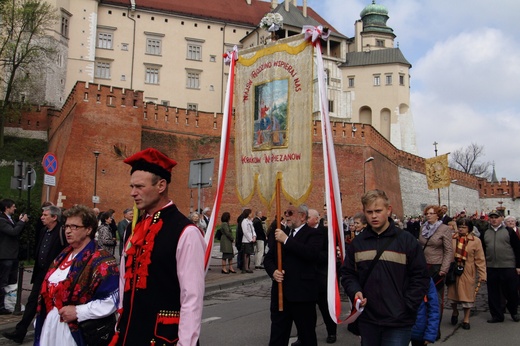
{"x":217,"y":282}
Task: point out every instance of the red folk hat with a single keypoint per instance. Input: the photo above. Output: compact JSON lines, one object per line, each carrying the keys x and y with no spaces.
{"x":153,"y":161}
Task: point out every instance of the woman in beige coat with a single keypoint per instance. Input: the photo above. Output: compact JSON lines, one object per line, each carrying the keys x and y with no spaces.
{"x":470,"y":255}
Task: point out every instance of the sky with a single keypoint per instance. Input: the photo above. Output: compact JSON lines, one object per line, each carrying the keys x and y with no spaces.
{"x":465,"y":76}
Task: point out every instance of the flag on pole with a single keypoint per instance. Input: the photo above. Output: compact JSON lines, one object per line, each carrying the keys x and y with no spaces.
{"x":438,"y":172}
{"x":229,"y":58}
{"x":335,"y":237}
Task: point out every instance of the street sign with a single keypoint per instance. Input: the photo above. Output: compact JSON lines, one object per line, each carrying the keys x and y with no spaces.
{"x":50,"y":163}
{"x":49,"y":180}
{"x":201,"y":173}
{"x":95,"y":199}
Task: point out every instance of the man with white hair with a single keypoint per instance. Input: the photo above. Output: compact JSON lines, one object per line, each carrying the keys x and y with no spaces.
{"x":204,"y":220}
{"x":510,"y":222}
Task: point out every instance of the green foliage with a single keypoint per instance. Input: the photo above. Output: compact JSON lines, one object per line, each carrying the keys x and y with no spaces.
{"x":32,"y":151}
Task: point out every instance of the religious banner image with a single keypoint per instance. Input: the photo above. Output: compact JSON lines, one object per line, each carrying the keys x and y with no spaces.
{"x":437,"y":172}
{"x":270,"y":125}
{"x":273,"y":118}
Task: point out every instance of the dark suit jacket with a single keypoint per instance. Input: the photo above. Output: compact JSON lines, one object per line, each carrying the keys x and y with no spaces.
{"x":445,"y":219}
{"x":9,"y":237}
{"x":299,"y":261}
{"x":58,"y":242}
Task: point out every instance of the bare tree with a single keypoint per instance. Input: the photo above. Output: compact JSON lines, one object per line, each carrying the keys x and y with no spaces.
{"x":467,"y":160}
{"x":24,"y":47}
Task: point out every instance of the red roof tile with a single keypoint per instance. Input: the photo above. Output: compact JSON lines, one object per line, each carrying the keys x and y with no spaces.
{"x":235,"y":11}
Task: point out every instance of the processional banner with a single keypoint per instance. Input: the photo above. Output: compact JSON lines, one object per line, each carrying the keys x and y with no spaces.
{"x":438,"y":172}
{"x":273,"y":118}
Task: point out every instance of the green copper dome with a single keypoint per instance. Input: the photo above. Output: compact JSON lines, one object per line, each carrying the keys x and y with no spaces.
{"x":374,"y":19}
{"x":374,"y":8}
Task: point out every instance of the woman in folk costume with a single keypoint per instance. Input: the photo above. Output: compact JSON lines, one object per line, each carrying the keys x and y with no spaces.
{"x":469,"y":254}
{"x":91,"y":271}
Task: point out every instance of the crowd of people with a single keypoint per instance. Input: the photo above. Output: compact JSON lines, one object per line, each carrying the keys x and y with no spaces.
{"x":397,"y":272}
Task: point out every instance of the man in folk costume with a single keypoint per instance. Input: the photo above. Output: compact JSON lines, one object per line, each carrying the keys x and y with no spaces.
{"x":163,"y":263}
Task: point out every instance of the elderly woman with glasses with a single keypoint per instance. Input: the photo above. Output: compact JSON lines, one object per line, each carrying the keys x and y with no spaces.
{"x":469,"y":255}
{"x":436,"y":241}
{"x":81,"y":284}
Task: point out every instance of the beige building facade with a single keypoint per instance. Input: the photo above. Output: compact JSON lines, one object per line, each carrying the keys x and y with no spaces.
{"x":173,"y":50}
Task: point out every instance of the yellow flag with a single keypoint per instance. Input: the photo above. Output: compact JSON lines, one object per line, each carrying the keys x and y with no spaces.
{"x":438,"y":172}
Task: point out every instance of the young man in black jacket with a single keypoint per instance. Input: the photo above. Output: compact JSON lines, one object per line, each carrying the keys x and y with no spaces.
{"x":393,"y":291}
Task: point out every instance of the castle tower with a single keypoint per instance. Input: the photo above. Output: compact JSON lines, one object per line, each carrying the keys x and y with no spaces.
{"x":377,"y":79}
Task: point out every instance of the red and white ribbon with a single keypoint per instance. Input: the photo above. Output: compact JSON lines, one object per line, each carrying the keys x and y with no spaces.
{"x":313,"y":33}
{"x":224,"y":154}
{"x":336,"y":240}
{"x":232,"y":54}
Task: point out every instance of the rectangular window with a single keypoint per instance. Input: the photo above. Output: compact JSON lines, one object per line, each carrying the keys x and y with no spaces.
{"x":380,"y":43}
{"x":194,"y":52}
{"x":350,"y":82}
{"x":331,"y":106}
{"x":65,"y":26}
{"x":102,"y":70}
{"x":152,"y":75}
{"x":192,"y":106}
{"x":377,"y":80}
{"x":193,"y":80}
{"x":401,"y":79}
{"x":153,"y":46}
{"x":104,"y":40}
{"x":388,"y":79}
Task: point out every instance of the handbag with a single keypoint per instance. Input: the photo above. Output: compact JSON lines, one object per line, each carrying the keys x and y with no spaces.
{"x":451,"y":277}
{"x":354,"y":326}
{"x":97,"y":331}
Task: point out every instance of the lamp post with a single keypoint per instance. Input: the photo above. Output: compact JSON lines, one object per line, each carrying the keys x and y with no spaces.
{"x":449,"y":187}
{"x":94,"y":197}
{"x":364,"y":171}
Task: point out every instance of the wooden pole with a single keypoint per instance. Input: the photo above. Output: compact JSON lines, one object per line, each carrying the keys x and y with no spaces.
{"x":278,"y":244}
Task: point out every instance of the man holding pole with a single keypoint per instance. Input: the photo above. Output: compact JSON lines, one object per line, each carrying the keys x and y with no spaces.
{"x":298,"y":278}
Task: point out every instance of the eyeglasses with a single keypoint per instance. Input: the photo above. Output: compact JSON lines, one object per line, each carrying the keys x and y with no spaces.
{"x":430,"y":213}
{"x":288,"y":213}
{"x":73,"y":227}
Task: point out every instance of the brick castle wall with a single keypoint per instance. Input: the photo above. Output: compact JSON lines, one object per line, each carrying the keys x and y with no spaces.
{"x":114,"y":121}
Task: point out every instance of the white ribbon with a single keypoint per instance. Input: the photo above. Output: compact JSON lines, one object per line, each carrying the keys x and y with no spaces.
{"x":231,"y":54}
{"x":274,"y":27}
{"x":356,"y":311}
{"x":315,"y":32}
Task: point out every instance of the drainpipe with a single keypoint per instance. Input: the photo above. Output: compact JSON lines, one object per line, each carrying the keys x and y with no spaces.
{"x":132,"y":10}
{"x":222,"y":86}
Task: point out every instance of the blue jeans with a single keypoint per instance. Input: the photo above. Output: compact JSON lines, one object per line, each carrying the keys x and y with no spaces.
{"x":374,"y":335}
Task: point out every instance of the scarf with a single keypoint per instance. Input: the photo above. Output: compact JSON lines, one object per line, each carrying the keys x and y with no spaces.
{"x":428,"y":229}
{"x":461,"y":254}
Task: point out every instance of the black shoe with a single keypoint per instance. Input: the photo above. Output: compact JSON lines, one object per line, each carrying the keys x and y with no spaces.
{"x":4,"y":311}
{"x":331,"y":339}
{"x":465,"y":325}
{"x":495,"y":320}
{"x":454,"y":320}
{"x":14,"y":336}
{"x":296,"y":343}
{"x":516,"y":317}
